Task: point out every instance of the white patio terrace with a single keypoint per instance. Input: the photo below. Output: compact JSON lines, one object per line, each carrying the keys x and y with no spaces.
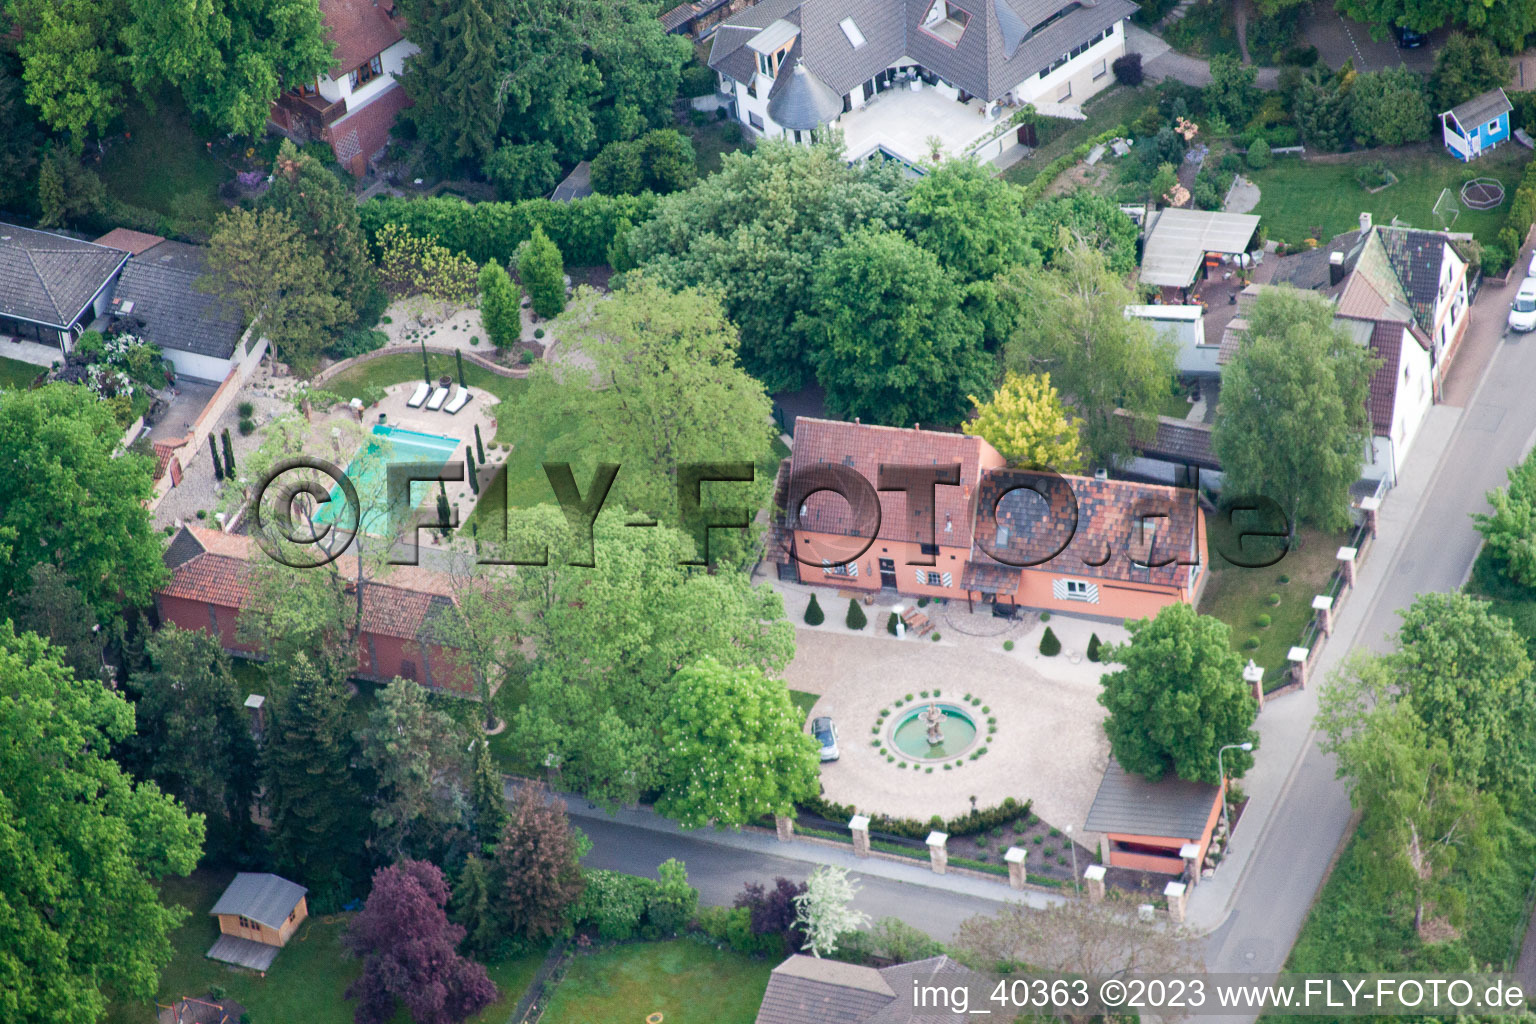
{"x":900,"y":121}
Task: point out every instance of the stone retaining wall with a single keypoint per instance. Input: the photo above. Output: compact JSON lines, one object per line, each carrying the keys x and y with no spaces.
{"x":379,"y":353}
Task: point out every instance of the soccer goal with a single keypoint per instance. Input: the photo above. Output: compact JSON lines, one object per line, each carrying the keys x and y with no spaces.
{"x":1447,"y":209}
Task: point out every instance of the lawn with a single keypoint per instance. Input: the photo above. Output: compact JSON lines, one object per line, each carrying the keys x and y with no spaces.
{"x":308,"y":979}
{"x":1305,"y":199}
{"x":394,"y":369}
{"x":165,"y":165}
{"x":16,"y":374}
{"x":803,"y":700}
{"x":1115,"y":105}
{"x":710,"y":143}
{"x":1238,"y":595}
{"x":686,"y":981}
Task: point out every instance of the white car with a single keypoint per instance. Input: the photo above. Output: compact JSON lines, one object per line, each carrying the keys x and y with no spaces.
{"x":1522,"y":315}
{"x":826,"y":734}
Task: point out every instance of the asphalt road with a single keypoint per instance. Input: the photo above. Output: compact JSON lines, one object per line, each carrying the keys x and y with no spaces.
{"x":1494,"y":431}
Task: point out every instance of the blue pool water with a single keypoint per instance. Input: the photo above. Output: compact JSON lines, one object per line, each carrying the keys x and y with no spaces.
{"x":369,"y":469}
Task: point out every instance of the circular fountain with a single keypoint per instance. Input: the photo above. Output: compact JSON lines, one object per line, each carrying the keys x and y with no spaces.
{"x":934,"y":732}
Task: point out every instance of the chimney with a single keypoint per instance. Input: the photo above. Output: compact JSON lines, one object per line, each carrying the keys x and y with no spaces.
{"x":1365,"y":222}
{"x":1336,"y":267}
{"x":258,"y":707}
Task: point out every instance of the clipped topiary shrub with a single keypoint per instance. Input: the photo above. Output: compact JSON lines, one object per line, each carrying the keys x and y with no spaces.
{"x":1045,"y":616}
{"x":856,"y":618}
{"x":890,"y":624}
{"x":1251,"y":644}
{"x":1093,"y":647}
{"x":814,"y":616}
{"x":1273,"y":599}
{"x":1263,"y":621}
{"x":1007,"y":645}
{"x":935,"y":638}
{"x":1049,"y":645}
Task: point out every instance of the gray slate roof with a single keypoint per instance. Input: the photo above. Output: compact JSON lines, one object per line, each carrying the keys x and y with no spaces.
{"x":1170,"y":808}
{"x":1186,"y":441}
{"x":999,"y":49}
{"x":1481,"y":109}
{"x":50,"y":279}
{"x":161,"y":283}
{"x":801,"y":100}
{"x":807,"y":990}
{"x":263,"y":898}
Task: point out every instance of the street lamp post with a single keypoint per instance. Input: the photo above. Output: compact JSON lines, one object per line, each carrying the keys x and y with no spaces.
{"x":1076,"y":885}
{"x":1223,"y":773}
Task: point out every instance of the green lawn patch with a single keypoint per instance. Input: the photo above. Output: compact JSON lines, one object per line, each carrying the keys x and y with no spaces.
{"x":406,"y":366}
{"x":16,"y":374}
{"x":1303,"y":199}
{"x":1115,"y":105}
{"x":686,"y":981}
{"x":165,"y":166}
{"x":1238,"y":596}
{"x":306,"y":982}
{"x":710,"y":144}
{"x":803,"y":700}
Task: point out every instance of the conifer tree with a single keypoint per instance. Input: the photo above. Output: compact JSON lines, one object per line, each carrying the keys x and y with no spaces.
{"x":213,"y":449}
{"x":318,"y":817}
{"x":499,"y":305}
{"x":229,"y":455}
{"x":325,"y":212}
{"x":814,"y":616}
{"x":856,"y":618}
{"x":455,"y":79}
{"x":479,"y":445}
{"x":487,"y":798}
{"x":470,"y":908}
{"x":542,"y":271}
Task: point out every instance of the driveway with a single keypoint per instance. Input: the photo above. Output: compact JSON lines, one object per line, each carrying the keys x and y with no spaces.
{"x":1338,"y":39}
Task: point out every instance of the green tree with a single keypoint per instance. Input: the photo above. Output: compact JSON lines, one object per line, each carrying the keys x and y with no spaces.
{"x":318,"y":822}
{"x":81,"y":847}
{"x":1178,"y":697}
{"x":1321,"y":108}
{"x":825,"y":911}
{"x":291,"y":612}
{"x":971,"y":220}
{"x":1232,"y":93}
{"x":733,"y":748}
{"x":542,"y":272}
{"x":611,"y":638}
{"x":499,"y":302}
{"x":54,"y":609}
{"x":672,"y":393}
{"x":1028,"y":425}
{"x":1093,"y":219}
{"x":455,"y":80}
{"x":75,"y":501}
{"x":1467,"y":674}
{"x":229,"y":59}
{"x":472,"y":908}
{"x":525,"y":171}
{"x":1511,"y":530}
{"x":1100,"y":359}
{"x":890,"y":340}
{"x":1389,"y":107}
{"x":487,"y":799}
{"x":670,"y":161}
{"x":417,"y":267}
{"x":71,"y":63}
{"x":20,"y":140}
{"x":1466,"y":66}
{"x":1420,"y":817}
{"x":1505,"y":22}
{"x":325,"y":212}
{"x":1293,"y":423}
{"x":262,"y":264}
{"x":416,"y":755}
{"x":855,"y":619}
{"x":766,"y":218}
{"x":193,"y":736}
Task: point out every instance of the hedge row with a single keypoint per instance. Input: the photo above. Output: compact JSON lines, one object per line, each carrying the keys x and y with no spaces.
{"x":621,"y":907}
{"x":582,"y":229}
{"x":1035,"y":190}
{"x":968,"y":824}
{"x":1522,"y":213}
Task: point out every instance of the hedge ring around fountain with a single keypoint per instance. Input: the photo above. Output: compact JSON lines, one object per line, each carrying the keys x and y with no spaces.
{"x":932,"y":731}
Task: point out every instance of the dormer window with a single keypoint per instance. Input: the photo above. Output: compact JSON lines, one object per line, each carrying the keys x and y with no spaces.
{"x":946,"y":22}
{"x":772,"y":45}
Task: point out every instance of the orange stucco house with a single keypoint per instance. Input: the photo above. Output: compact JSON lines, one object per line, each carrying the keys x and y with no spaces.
{"x":1107,"y":548}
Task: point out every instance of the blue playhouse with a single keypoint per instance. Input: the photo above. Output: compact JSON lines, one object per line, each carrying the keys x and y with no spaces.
{"x":1477,"y":125}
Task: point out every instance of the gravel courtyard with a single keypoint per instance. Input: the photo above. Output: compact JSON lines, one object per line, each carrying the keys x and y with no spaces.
{"x":1049,"y":747}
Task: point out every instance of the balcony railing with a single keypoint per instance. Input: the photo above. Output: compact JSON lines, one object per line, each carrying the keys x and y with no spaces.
{"x":316,"y":111}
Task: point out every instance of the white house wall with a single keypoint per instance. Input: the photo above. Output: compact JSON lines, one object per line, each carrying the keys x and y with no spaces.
{"x":1415,"y":395}
{"x":1079,"y":71}
{"x":393,"y":61}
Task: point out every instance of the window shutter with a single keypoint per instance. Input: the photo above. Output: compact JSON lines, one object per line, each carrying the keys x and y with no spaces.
{"x":949,"y":580}
{"x":1059,"y":589}
{"x":921,"y":576}
{"x":853,"y":569}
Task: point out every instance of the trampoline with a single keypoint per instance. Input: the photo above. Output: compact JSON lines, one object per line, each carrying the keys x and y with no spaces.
{"x":1482,"y":193}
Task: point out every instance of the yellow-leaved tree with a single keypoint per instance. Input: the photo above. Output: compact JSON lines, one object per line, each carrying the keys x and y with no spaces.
{"x":1027,"y":423}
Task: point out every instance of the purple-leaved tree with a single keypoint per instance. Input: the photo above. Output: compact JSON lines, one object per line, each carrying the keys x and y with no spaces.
{"x":409,"y":951}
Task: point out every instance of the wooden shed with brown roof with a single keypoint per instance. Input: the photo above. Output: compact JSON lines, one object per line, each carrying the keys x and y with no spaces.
{"x":809,"y":990}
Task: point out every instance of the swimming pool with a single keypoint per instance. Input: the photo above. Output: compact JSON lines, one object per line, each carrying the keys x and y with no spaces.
{"x":369,"y":468}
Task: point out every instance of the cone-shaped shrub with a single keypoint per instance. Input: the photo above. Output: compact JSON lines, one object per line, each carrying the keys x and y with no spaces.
{"x":1093,"y":647}
{"x":890,"y":624}
{"x":1049,"y":645}
{"x":856,"y":619}
{"x":813,"y":613}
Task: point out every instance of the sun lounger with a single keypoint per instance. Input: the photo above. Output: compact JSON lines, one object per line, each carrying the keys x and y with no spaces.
{"x":438,"y":398}
{"x":419,"y":395}
{"x":460,"y":400}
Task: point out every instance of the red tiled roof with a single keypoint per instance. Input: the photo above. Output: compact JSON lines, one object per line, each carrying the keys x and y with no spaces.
{"x":214,"y":568}
{"x":360,"y":29}
{"x":164,"y":450}
{"x":128,"y":240}
{"x":864,"y":448}
{"x":1107,"y":535}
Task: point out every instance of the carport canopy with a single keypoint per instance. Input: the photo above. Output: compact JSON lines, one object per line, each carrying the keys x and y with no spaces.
{"x":1179,"y":239}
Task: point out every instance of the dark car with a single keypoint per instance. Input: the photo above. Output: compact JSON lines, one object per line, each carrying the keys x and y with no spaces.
{"x":826,"y":734}
{"x":1407,"y":38}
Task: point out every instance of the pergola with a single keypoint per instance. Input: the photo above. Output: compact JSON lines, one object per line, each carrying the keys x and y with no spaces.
{"x":1178,"y":240}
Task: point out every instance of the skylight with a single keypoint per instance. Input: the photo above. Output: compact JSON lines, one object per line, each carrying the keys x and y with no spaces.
{"x":855,"y":37}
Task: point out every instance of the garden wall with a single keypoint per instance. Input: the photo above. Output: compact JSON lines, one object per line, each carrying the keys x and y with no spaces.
{"x":379,"y":353}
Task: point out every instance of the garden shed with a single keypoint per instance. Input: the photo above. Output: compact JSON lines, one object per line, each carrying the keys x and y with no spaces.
{"x":257,"y":915}
{"x":1146,"y":824}
{"x":1476,"y":126}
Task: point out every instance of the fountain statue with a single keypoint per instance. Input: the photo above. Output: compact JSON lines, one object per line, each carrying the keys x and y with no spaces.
{"x":934,"y":719}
